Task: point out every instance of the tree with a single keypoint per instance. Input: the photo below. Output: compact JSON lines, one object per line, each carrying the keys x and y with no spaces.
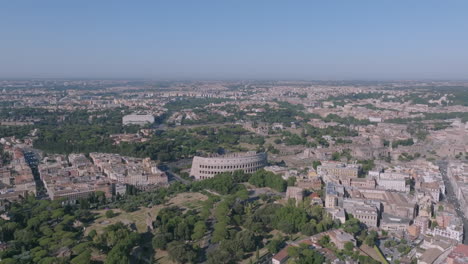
{"x":247,"y":240}
{"x":390,"y":243}
{"x":293,"y":252}
{"x":316,"y":163}
{"x":291,"y":181}
{"x":336,"y":156}
{"x":274,"y":245}
{"x":84,"y":204}
{"x":9,"y":261}
{"x":317,"y":212}
{"x":33,"y":223}
{"x":80,"y":248}
{"x":181,"y":252}
{"x":352,"y":226}
{"x":367,"y":165}
{"x":92,"y":233}
{"x":110,"y":214}
{"x":220,"y":256}
{"x":199,"y":230}
{"x":83,"y":258}
{"x":5,"y":157}
{"x":304,"y":255}
{"x":290,"y":219}
{"x":115,"y":256}
{"x":308,"y":229}
{"x":24,"y":236}
{"x":240,"y":176}
{"x":182,"y":230}
{"x":160,"y":241}
{"x":220,"y":232}
{"x":324,"y":241}
{"x":371,"y":239}
{"x":404,"y":249}
{"x":221,"y":211}
{"x":349,"y":246}
{"x":233,"y":247}
{"x":263,"y":178}
{"x":223,"y":183}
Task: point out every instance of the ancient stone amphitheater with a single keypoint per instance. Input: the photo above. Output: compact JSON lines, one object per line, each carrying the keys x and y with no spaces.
{"x":208,"y":167}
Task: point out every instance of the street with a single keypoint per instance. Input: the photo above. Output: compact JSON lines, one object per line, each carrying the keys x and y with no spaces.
{"x":32,"y":158}
{"x":451,"y":198}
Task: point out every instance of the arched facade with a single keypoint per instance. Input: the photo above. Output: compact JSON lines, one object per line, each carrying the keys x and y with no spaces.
{"x":208,"y":167}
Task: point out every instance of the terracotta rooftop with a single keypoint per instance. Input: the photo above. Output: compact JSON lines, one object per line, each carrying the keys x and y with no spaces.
{"x":283,"y":254}
{"x":459,"y":251}
{"x":314,"y":195}
{"x":280,"y":256}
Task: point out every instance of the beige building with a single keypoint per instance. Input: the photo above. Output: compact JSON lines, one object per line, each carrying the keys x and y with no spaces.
{"x":338,"y":169}
{"x":359,"y":182}
{"x":394,"y":203}
{"x":414,"y":230}
{"x":422,"y":222}
{"x":458,"y":255}
{"x":295,"y":193}
{"x":394,"y":223}
{"x":142,"y":173}
{"x":310,"y":183}
{"x":208,"y":167}
{"x":334,"y":194}
{"x":393,"y":181}
{"x":365,"y":210}
{"x":73,"y":193}
{"x":340,"y":238}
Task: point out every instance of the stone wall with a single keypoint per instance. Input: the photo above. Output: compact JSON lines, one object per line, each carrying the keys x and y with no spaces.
{"x":208,"y":167}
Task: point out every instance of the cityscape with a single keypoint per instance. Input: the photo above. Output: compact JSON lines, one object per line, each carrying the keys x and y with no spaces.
{"x":266,"y":164}
{"x":363,"y":172}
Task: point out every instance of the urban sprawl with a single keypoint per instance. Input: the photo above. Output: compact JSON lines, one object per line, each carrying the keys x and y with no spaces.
{"x":233,"y":171}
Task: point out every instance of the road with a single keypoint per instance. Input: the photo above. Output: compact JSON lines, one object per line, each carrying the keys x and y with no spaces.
{"x":176,"y":177}
{"x":32,"y":158}
{"x":171,"y":175}
{"x":451,"y":198}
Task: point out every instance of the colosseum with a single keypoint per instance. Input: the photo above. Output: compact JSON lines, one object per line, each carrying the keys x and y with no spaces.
{"x":208,"y":167}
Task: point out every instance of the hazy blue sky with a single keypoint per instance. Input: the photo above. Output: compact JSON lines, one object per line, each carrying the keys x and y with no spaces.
{"x":349,"y":39}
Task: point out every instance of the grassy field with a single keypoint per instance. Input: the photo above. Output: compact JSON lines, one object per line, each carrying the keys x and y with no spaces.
{"x":382,"y":258}
{"x":139,"y":217}
{"x":162,"y":257}
{"x":371,"y":252}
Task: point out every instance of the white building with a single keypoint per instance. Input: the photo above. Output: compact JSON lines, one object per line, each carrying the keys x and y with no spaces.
{"x":137,"y":119}
{"x":375,"y":119}
{"x":452,"y":232}
{"x":393,"y":181}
